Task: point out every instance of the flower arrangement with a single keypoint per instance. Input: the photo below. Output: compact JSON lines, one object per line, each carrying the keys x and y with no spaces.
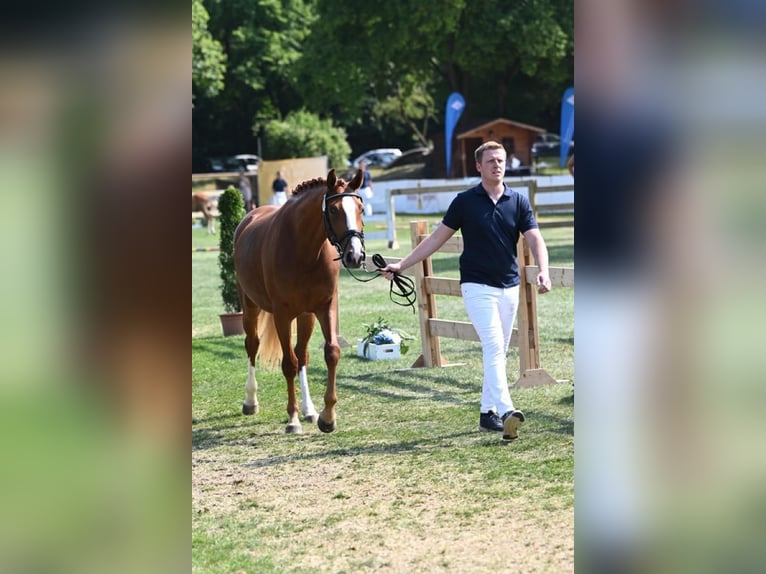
{"x":380,"y":332}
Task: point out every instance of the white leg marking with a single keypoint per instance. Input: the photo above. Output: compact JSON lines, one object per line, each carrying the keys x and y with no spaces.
{"x":307,"y":407}
{"x":251,"y":387}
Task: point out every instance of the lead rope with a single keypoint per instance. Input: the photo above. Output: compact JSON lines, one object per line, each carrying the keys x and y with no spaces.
{"x":404,"y":285}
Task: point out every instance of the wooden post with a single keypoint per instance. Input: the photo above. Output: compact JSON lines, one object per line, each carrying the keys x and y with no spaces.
{"x":529,"y":342}
{"x":431,"y":356}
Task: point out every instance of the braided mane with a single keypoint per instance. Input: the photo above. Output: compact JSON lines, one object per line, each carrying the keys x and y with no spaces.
{"x":313,"y":183}
{"x":307,"y":184}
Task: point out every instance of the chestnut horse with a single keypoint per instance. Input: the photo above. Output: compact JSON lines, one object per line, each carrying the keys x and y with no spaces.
{"x":204,"y":203}
{"x":287,"y":264}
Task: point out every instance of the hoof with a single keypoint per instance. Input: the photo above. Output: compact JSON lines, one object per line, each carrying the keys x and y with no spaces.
{"x":325,"y":427}
{"x":311,"y":418}
{"x":249,"y":409}
{"x":293,"y":429}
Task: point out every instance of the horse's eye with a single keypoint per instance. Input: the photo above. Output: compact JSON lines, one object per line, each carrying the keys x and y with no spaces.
{"x":333,"y":210}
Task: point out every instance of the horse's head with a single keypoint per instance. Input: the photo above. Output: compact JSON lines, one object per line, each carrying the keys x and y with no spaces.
{"x":343,"y":208}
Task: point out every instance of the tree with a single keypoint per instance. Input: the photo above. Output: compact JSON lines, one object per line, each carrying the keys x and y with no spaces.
{"x":303,"y":134}
{"x":411,"y":105}
{"x":527,"y":39}
{"x":208,"y":59}
{"x":232,"y":210}
{"x":484,"y":50}
{"x":383,"y":70}
{"x":262,"y":40}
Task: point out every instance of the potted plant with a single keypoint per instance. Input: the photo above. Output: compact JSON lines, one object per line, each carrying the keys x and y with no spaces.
{"x":232,"y":209}
{"x":382,"y":341}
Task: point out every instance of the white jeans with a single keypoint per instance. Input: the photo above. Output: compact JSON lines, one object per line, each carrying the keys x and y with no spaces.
{"x":366,"y":193}
{"x":280,"y":198}
{"x":492,"y":311}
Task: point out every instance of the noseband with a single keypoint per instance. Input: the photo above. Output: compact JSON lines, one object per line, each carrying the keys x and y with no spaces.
{"x":343,"y":242}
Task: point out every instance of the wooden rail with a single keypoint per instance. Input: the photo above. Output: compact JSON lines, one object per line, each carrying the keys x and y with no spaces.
{"x":533,"y":191}
{"x":561,"y":209}
{"x":525,"y":336}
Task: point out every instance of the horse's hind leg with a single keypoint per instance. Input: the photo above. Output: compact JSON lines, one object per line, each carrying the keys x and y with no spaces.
{"x":250,"y":323}
{"x":327,"y":321}
{"x":305,"y":328}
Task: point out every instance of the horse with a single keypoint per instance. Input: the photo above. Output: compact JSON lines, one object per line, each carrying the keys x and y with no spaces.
{"x":204,"y":203}
{"x":287,"y":261}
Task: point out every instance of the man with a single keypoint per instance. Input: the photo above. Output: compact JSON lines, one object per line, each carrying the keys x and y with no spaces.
{"x":491,"y":217}
{"x":279,"y":187}
{"x":366,"y":190}
{"x":245,"y":189}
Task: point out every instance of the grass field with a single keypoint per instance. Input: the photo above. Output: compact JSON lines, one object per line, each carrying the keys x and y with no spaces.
{"x":406,"y":483}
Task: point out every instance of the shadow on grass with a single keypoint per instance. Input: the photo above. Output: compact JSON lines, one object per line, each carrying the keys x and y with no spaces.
{"x":419,"y":445}
{"x":220,"y":348}
{"x":554,"y":424}
{"x":401,"y":385}
{"x":567,"y":400}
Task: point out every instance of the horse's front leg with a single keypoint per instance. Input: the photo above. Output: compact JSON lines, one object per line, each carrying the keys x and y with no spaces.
{"x":250,"y":323}
{"x":326,"y":421}
{"x":305,"y":328}
{"x":289,"y":370}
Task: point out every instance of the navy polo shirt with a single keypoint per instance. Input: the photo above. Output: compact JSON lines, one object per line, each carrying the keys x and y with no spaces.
{"x":490,"y":233}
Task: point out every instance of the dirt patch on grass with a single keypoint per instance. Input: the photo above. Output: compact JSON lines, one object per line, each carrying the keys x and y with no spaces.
{"x":357,"y":514}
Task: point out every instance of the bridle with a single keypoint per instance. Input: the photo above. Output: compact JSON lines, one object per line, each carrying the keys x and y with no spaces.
{"x":343,"y":242}
{"x":405,"y":285}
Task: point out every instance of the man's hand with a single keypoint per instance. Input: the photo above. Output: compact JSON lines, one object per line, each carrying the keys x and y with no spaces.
{"x":543,"y":282}
{"x":389,"y":270}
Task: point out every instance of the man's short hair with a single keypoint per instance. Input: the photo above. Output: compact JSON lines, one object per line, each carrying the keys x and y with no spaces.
{"x":485,"y":146}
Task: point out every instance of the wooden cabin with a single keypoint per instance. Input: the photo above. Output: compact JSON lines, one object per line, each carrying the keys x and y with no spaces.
{"x":516,"y":137}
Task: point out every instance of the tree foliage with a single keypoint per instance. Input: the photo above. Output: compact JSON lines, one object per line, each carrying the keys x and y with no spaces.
{"x":232,"y":210}
{"x":208,"y":58}
{"x":304,"y":134}
{"x":386,"y":69}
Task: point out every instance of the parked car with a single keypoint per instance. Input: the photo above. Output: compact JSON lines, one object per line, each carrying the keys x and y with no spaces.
{"x":246,"y":161}
{"x":548,"y":145}
{"x":382,"y":157}
{"x":414,"y":155}
{"x":517,"y":171}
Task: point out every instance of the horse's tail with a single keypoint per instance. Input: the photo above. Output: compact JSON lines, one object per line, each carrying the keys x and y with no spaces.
{"x":269,"y":349}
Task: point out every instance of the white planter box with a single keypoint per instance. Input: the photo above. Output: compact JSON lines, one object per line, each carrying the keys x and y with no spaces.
{"x":378,"y":352}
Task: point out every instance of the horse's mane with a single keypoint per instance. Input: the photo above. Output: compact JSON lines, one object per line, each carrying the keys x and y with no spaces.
{"x":314,"y":183}
{"x":309,"y":184}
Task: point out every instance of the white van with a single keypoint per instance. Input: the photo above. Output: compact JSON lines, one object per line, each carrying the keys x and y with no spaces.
{"x":382,"y":157}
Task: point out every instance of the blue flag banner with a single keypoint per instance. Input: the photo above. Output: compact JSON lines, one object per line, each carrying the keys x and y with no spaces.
{"x":455,"y":105}
{"x":567,"y":124}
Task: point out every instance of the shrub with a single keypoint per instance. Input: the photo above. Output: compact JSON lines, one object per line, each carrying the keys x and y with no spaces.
{"x":232,"y":210}
{"x":303,"y":134}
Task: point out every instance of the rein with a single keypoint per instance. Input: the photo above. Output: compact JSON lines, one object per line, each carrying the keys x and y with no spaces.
{"x":404,"y":285}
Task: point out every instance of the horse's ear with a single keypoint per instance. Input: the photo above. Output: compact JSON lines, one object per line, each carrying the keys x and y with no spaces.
{"x":331,"y":179}
{"x":356,"y":183}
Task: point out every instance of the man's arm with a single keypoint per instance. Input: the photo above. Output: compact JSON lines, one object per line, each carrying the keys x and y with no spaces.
{"x":540,"y":252}
{"x":426,"y":248}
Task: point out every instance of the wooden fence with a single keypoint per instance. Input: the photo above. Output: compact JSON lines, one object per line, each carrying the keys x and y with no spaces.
{"x":525,"y":337}
{"x":534,"y":192}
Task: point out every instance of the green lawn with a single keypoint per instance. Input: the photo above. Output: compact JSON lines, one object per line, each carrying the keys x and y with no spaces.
{"x":406,"y":483}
